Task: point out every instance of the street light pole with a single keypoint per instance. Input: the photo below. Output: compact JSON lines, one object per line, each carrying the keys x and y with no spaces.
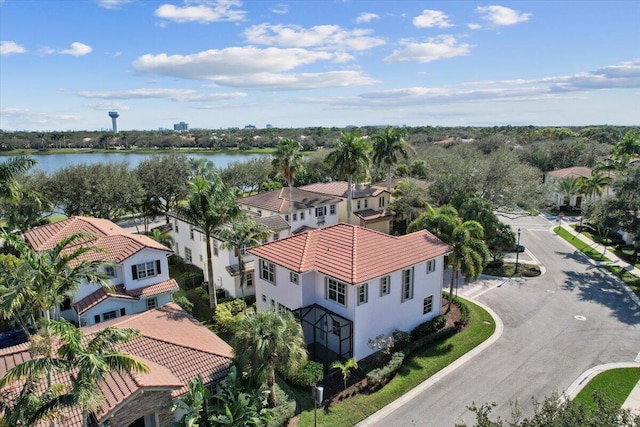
{"x":517,"y":250}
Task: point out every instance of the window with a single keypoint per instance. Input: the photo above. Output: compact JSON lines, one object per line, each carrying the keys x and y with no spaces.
{"x":286,"y":217}
{"x":358,"y":205}
{"x":321,"y":211}
{"x":259,"y":212}
{"x":385,"y":285}
{"x":295,"y":216}
{"x":175,"y":224}
{"x":276,"y":236}
{"x":427,"y":305}
{"x":273,"y":305}
{"x":332,"y":209}
{"x":267,"y":271}
{"x":293,"y":277}
{"x":407,"y":284}
{"x":201,"y":258}
{"x":431,"y":266}
{"x":249,"y":278}
{"x":145,"y":269}
{"x":152,"y":303}
{"x":282,"y":308}
{"x":301,"y":216}
{"x":363,"y":293}
{"x":110,"y":271}
{"x":96,"y":318}
{"x":366,"y":203}
{"x":336,"y":291}
{"x":243,"y":250}
{"x":215,"y":247}
{"x":123,"y":312}
{"x":264,"y":298}
{"x":191,"y":232}
{"x":108,"y":315}
{"x":381,"y":201}
{"x":187,"y":254}
{"x":335,"y":327}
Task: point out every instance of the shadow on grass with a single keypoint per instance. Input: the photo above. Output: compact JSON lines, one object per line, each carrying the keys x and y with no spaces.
{"x":410,"y":362}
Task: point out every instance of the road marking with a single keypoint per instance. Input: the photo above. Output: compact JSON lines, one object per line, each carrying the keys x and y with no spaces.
{"x":637,"y":358}
{"x":579,"y":317}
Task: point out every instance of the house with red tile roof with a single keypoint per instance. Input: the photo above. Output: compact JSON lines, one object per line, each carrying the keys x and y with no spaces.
{"x":137,"y":267}
{"x":369,"y":204}
{"x":176,"y":348}
{"x":349,"y":284}
{"x":551,"y":179}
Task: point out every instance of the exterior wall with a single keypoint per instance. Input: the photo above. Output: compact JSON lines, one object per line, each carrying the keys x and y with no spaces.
{"x":146,"y":255}
{"x":116,"y":304}
{"x":382,"y":226}
{"x":155,"y":403}
{"x":282,"y":291}
{"x":309,"y":220}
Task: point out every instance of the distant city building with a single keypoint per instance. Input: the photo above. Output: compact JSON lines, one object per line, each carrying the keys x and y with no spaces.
{"x":269,"y":126}
{"x":181,"y":126}
{"x":250,"y":127}
{"x":114,"y":120}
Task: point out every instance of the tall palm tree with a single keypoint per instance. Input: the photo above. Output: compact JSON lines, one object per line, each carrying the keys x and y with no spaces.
{"x":266,"y":341}
{"x":568,"y":187}
{"x":239,"y":235}
{"x":629,"y":146}
{"x":388,"y":147}
{"x":210,"y":205}
{"x":9,"y":170}
{"x":593,"y":186}
{"x":350,"y":157}
{"x":288,"y":162}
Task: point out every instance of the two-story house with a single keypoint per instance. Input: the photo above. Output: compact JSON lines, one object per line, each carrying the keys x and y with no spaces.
{"x":348,"y":284}
{"x":136,"y":265}
{"x":369,"y":205}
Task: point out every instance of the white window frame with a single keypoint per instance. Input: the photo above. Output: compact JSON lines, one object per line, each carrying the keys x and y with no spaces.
{"x":216,"y":250}
{"x":431,"y":266}
{"x":110,"y":271}
{"x":294,"y":277}
{"x":335,"y":327}
{"x":268,"y":271}
{"x":366,"y":203}
{"x":321,"y":211}
{"x":276,"y":236}
{"x":188,"y":256}
{"x":302,"y":216}
{"x":152,"y":303}
{"x":336,"y":291}
{"x":427,"y":305}
{"x":264,"y":298}
{"x":332,"y":209}
{"x":407,"y":284}
{"x":358,"y":205}
{"x":109,"y":315}
{"x":381,"y":201}
{"x":248,"y":278}
{"x":295,"y":216}
{"x":146,"y":269}
{"x":363,"y":294}
{"x":385,"y":285}
{"x":191,"y":232}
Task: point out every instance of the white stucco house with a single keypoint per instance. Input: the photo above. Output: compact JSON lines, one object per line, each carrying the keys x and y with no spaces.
{"x":348,"y":284}
{"x":370,"y":205}
{"x":551,"y":179}
{"x":136,"y":264}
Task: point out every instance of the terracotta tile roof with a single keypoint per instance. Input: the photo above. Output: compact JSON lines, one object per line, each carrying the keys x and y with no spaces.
{"x":372,"y":215}
{"x":274,"y":222}
{"x":174,"y":346}
{"x":278,"y":200}
{"x":155,"y":289}
{"x":339,"y":189}
{"x":119,"y":291}
{"x":395,"y":181}
{"x":350,"y":253}
{"x":573,"y":172}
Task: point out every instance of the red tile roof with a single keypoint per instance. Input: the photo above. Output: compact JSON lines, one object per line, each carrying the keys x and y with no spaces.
{"x":119,"y":291}
{"x":174,"y":346}
{"x":339,"y":189}
{"x":350,"y":253}
{"x":573,"y":172}
{"x":278,"y":200}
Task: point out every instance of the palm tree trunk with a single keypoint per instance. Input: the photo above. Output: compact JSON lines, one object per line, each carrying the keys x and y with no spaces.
{"x":271,"y":383}
{"x":242,"y":275}
{"x":213,"y":298}
{"x":349,"y":198}
{"x":453,"y":275}
{"x":290,"y":203}
{"x":389,"y":178}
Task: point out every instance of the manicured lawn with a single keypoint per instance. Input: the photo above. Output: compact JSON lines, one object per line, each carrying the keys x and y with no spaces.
{"x":417,"y":368}
{"x":632,"y":281}
{"x":616,"y":384}
{"x":508,"y":269}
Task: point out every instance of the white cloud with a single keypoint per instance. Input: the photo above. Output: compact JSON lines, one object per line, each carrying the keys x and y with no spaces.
{"x":278,"y":81}
{"x":331,"y":37}
{"x":161,"y":93}
{"x":502,"y":16}
{"x":280,"y":9}
{"x":107,"y":106}
{"x":9,"y":47}
{"x":432,"y":18}
{"x":366,"y":17}
{"x":474,"y":26}
{"x":209,"y":64}
{"x":222,"y":10}
{"x":77,"y":49}
{"x":445,"y":46}
{"x":112,"y":4}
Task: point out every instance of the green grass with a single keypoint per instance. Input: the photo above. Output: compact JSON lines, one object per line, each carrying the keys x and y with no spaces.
{"x":632,"y":281}
{"x":417,"y":368}
{"x":616,"y":384}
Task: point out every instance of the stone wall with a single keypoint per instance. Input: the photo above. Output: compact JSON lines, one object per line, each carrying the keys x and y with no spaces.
{"x":149,"y":402}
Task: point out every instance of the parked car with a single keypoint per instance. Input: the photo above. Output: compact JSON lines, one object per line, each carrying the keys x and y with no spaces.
{"x":519,"y":248}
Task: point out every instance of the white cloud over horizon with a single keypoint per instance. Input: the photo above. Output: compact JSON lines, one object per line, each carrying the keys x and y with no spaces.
{"x":366,"y":17}
{"x":76,"y":49}
{"x":433,"y":49}
{"x":188,"y":95}
{"x":222,"y":10}
{"x":9,"y":47}
{"x":432,"y":19}
{"x":502,"y":16}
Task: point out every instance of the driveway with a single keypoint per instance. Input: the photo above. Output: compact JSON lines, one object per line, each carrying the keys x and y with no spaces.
{"x":556,"y":326}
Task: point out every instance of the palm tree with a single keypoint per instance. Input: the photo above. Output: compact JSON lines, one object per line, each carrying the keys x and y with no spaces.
{"x":345,"y":368}
{"x":628,"y":147}
{"x":239,"y":235}
{"x":9,"y":170}
{"x":567,"y":187}
{"x":29,"y":404}
{"x":88,"y":362}
{"x":210,"y":205}
{"x":388,"y":147}
{"x":593,"y":186}
{"x":162,"y":238}
{"x":266,"y":341}
{"x":288,"y":162}
{"x":350,"y":157}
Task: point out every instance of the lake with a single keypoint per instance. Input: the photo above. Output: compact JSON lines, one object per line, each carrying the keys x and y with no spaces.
{"x":50,"y":163}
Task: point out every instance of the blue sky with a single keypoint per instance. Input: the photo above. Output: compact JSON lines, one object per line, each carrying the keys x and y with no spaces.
{"x":229,"y":63}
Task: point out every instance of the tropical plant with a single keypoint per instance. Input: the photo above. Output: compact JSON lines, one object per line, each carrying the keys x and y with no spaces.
{"x":350,"y":157}
{"x":266,"y":341}
{"x":288,"y":162}
{"x":239,"y":235}
{"x":9,"y":170}
{"x":593,"y":186}
{"x":629,"y":146}
{"x":389,"y":147}
{"x":344,"y":368}
{"x":162,"y":238}
{"x":209,"y":206}
{"x":409,"y":200}
{"x":567,"y":187}
{"x":237,"y":408}
{"x":194,"y":405}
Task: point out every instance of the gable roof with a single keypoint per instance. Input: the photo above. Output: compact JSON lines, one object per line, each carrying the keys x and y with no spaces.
{"x":572,"y":172}
{"x":339,"y":189}
{"x":278,"y":200}
{"x":117,"y":243}
{"x":119,"y":291}
{"x":395,"y":181}
{"x":350,"y":253}
{"x":175,"y":347}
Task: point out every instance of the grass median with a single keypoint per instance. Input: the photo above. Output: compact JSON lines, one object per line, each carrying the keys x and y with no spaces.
{"x":615,"y":384}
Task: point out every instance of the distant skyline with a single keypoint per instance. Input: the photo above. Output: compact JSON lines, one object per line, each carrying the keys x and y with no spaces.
{"x":229,"y":63}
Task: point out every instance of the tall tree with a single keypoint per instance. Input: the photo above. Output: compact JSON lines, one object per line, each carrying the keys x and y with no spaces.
{"x":593,"y":186}
{"x":288,"y":162}
{"x":209,"y":206}
{"x":567,"y":187}
{"x":625,"y":207}
{"x":266,"y":341}
{"x":629,"y":146}
{"x":350,"y":157}
{"x":389,"y":147}
{"x":240,"y":235}
{"x":409,"y":200}
{"x":10,"y":169}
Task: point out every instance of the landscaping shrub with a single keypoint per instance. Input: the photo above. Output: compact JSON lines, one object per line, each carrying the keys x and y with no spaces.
{"x":418,"y":344}
{"x":281,"y":414}
{"x":464,"y":310}
{"x":495,"y":264}
{"x":249,"y":300}
{"x":181,"y":299}
{"x":227,"y":314}
{"x":400,"y":339}
{"x":310,"y":374}
{"x":428,"y":327}
{"x":379,"y":377}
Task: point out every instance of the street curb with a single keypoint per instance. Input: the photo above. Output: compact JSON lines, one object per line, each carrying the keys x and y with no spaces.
{"x":588,"y":375}
{"x":374,"y":419}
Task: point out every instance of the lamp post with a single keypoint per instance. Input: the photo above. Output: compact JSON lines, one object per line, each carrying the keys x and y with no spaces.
{"x":517,"y":250}
{"x":317,"y":396}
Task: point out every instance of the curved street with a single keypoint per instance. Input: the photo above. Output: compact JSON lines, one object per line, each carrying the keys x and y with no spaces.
{"x":556,"y":326}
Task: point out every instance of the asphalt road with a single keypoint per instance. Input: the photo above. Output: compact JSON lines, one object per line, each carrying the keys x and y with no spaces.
{"x":556,"y":326}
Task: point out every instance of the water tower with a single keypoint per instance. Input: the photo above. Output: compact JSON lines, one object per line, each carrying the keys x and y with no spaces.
{"x":114,"y":120}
